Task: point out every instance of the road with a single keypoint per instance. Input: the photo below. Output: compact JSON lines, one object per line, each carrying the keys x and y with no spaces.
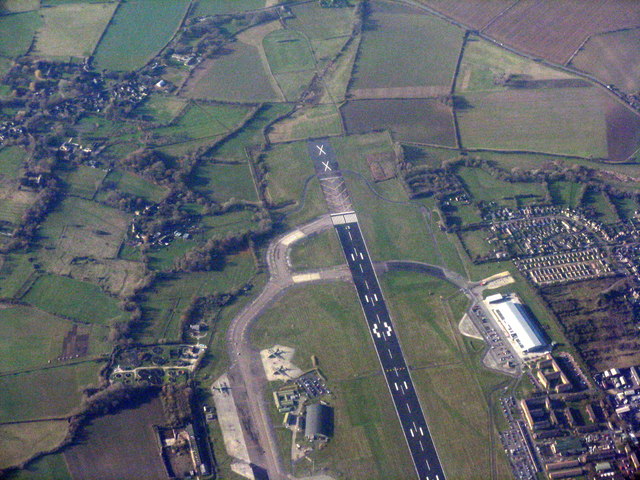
{"x":248,"y":378}
{"x":394,"y":367}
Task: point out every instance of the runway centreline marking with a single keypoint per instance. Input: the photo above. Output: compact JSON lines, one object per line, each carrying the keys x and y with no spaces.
{"x":425,"y":460}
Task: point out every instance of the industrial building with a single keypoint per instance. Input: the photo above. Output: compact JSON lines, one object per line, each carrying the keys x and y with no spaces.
{"x":319,"y":422}
{"x":522,"y":330}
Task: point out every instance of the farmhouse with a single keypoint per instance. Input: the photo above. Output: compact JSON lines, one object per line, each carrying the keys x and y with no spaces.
{"x":522,"y":330}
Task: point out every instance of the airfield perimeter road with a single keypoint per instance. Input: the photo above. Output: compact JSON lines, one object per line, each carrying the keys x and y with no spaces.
{"x":247,"y":377}
{"x":407,"y":406}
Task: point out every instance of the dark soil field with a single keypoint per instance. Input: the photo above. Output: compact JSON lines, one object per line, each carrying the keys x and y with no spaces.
{"x":598,"y":321}
{"x":475,"y":13}
{"x":614,"y":58}
{"x":75,"y":344}
{"x":419,"y":121}
{"x":120,"y":446}
{"x":554,"y":30}
{"x":623,"y":132}
{"x":546,"y":28}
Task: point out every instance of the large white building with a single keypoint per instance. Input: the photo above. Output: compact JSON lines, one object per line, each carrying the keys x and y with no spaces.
{"x":523,"y":331}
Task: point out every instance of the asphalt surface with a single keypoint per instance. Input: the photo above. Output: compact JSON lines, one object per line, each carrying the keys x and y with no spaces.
{"x":405,"y":399}
{"x":408,"y":409}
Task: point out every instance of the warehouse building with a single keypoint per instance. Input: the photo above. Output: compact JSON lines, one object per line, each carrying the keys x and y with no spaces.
{"x":319,"y":422}
{"x":523,"y":331}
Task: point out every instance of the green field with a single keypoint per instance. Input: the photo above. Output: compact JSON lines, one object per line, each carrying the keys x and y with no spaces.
{"x":220,"y":7}
{"x":326,"y":28}
{"x":19,"y":442}
{"x":238,"y":221}
{"x":74,"y":299}
{"x":30,"y":338}
{"x":533,"y":161}
{"x":393,"y":231}
{"x":7,"y":6}
{"x":160,"y":109}
{"x":313,"y":205}
{"x":232,"y":148}
{"x":52,"y":392}
{"x":94,"y":128}
{"x":222,"y":182}
{"x":200,"y":121}
{"x":290,"y":60}
{"x":483,"y":62}
{"x":600,"y":204}
{"x":566,"y":194}
{"x":453,"y":386}
{"x":467,"y":214}
{"x":170,"y":296}
{"x":14,"y":203}
{"x":486,"y":188}
{"x":73,"y":29}
{"x":475,"y":243}
{"x":83,"y":181}
{"x":318,"y":251}
{"x":16,"y":33}
{"x":224,"y":77}
{"x":49,"y":466}
{"x":81,"y":228}
{"x":16,"y":271}
{"x":11,"y":159}
{"x":132,"y":184}
{"x":163,"y":258}
{"x":626,"y":207}
{"x":368,"y":443}
{"x":568,"y":121}
{"x":288,"y":167}
{"x":315,"y":122}
{"x":288,"y":51}
{"x":139,"y":29}
{"x":425,"y":49}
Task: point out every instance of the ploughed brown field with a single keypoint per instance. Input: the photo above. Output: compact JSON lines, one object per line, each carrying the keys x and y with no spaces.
{"x":409,"y":120}
{"x":475,"y":13}
{"x":551,"y":29}
{"x":614,"y":58}
{"x":119,"y":446}
{"x":623,"y":132}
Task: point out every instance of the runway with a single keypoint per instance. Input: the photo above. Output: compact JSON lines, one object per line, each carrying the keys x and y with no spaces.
{"x":398,"y":378}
